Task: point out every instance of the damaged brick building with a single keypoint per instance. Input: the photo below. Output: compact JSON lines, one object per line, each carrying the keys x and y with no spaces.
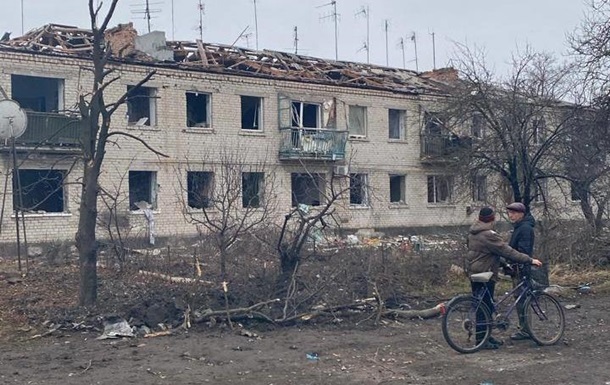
{"x":305,"y":119}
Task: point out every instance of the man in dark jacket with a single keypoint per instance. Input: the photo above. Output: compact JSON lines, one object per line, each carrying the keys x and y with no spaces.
{"x":522,"y":240}
{"x":485,"y":248}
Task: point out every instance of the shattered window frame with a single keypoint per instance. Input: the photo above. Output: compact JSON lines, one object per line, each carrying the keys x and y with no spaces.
{"x":479,"y":188}
{"x":397,"y":123}
{"x":140,"y":105}
{"x":198,"y":109}
{"x":398,"y":187}
{"x":357,"y":121}
{"x":42,"y":191}
{"x":301,"y":114}
{"x":200,"y":189}
{"x":38,"y":93}
{"x":142,"y":186}
{"x":251,"y":112}
{"x":358,"y":190}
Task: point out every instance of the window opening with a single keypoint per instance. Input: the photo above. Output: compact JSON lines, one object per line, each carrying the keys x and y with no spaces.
{"x":199,"y":189}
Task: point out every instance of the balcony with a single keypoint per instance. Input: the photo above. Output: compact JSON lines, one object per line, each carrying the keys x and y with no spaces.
{"x":50,"y":130}
{"x":443,"y":148}
{"x":312,"y":144}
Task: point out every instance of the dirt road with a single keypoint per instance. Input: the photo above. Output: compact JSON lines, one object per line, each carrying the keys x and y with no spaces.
{"x":411,"y":352}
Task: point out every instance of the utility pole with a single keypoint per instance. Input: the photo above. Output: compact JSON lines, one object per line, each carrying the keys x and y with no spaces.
{"x":365,"y":11}
{"x":414,"y":40}
{"x":335,"y":17}
{"x":22,"y":33}
{"x":173,"y":24}
{"x":296,"y":40}
{"x":255,"y":25}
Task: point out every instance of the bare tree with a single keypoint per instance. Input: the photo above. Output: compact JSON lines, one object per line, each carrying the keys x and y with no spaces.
{"x":514,"y":122}
{"x":96,"y":115}
{"x":228,"y":197}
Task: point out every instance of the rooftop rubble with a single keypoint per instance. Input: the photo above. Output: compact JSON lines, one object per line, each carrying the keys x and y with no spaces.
{"x":66,"y":40}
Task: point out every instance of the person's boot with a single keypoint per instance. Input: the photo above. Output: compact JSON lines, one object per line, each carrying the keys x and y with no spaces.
{"x":520,"y":336}
{"x":496,"y":341}
{"x":490,"y":346}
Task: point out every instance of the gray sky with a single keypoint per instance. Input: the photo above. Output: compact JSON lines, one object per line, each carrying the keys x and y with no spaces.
{"x":498,"y":26}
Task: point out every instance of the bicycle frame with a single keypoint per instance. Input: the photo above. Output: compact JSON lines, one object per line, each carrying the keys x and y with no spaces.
{"x":523,"y":288}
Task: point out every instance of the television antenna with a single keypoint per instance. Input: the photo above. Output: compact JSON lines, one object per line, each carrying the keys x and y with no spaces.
{"x":335,"y":17}
{"x":414,"y":40}
{"x":296,"y":40}
{"x":147,"y":11}
{"x":364,"y":11}
{"x":201,"y":8}
{"x":255,"y":24}
{"x":13,"y":122}
{"x":433,"y":50}
{"x":386,"y":26}
{"x":401,"y":45}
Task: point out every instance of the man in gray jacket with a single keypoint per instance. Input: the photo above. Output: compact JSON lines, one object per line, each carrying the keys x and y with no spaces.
{"x":485,"y":248}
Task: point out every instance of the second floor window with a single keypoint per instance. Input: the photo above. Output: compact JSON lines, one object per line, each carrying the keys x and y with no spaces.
{"x":251,"y":112}
{"x":306,"y":115}
{"x":396,"y":124}
{"x":357,"y":123}
{"x":141,"y":106}
{"x":37,"y":93}
{"x":198,"y":109}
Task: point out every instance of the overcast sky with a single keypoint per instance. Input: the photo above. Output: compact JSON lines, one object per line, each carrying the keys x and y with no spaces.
{"x":498,"y":26}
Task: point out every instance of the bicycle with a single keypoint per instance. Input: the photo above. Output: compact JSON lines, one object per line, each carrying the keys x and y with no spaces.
{"x":465,"y":316}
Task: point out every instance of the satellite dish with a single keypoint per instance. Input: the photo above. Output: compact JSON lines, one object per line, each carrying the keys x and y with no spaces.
{"x":13,"y":120}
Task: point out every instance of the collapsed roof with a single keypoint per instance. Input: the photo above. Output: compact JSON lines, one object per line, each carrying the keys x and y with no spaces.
{"x":57,"y":39}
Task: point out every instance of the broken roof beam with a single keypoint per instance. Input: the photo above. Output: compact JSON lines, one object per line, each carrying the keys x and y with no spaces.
{"x":202,"y":53}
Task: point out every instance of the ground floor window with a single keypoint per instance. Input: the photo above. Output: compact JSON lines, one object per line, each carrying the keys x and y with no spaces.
{"x":358,"y":194}
{"x":252,"y":189}
{"x":440,"y":188}
{"x":41,"y":191}
{"x":199,"y":189}
{"x":142,"y":188}
{"x":307,"y":189}
{"x":397,"y":189}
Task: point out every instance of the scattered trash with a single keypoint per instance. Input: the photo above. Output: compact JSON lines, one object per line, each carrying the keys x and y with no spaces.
{"x":312,"y":356}
{"x":116,"y":328}
{"x":572,"y":306}
{"x":352,"y":239}
{"x":486,"y":383}
{"x":584,"y":289}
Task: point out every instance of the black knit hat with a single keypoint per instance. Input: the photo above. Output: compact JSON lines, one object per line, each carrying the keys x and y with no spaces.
{"x":486,"y":214}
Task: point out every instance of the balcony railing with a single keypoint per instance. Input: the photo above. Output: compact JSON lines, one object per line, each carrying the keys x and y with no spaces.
{"x":50,"y":130}
{"x":443,"y":147}
{"x":312,"y":143}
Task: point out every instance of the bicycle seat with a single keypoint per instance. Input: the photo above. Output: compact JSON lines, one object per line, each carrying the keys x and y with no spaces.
{"x":481,"y":277}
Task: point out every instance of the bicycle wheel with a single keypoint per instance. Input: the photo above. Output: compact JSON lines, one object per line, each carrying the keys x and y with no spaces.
{"x":544,"y":318}
{"x":466,"y":324}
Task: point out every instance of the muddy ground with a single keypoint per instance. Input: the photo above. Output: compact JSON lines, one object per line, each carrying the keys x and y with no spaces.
{"x":394,"y":352}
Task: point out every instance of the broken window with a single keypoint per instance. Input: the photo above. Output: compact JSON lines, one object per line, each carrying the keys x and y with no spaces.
{"x":37,"y":93}
{"x":357,"y":121}
{"x":199,"y":189}
{"x":197,"y":109}
{"x":478,"y":126}
{"x":440,"y":188}
{"x":252,"y":189}
{"x":358,"y":189}
{"x":305,"y":115}
{"x":41,"y":191}
{"x":433,"y":124}
{"x":141,"y":106}
{"x":142,"y":188}
{"x":251,"y":111}
{"x":479,"y":188}
{"x":396,"y":124}
{"x":397,"y":189}
{"x":307,"y":189}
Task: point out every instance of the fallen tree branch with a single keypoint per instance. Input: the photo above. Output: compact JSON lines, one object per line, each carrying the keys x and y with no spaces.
{"x":411,"y":314}
{"x":173,"y":279}
{"x":207,"y":314}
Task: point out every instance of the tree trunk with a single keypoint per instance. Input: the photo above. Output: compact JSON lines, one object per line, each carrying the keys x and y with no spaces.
{"x":86,"y":239}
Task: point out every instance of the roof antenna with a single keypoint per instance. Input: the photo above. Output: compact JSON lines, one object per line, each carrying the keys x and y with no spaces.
{"x":386,"y":27}
{"x":414,"y":40}
{"x":201,"y":8}
{"x":335,"y":16}
{"x":255,"y":25}
{"x":147,"y":11}
{"x":401,"y":44}
{"x":22,"y":33}
{"x":173,"y":25}
{"x":433,"y":52}
{"x":296,"y":40}
{"x":367,"y":45}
